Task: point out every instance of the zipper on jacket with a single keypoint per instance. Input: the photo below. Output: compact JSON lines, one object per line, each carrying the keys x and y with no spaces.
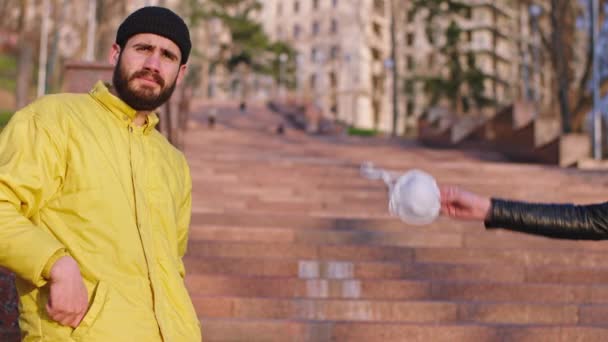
{"x":147,"y":257}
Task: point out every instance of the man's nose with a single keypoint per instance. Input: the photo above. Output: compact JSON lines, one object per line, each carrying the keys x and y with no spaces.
{"x":152,"y":62}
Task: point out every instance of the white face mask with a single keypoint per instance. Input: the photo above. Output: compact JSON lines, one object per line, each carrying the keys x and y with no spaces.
{"x":413,"y":196}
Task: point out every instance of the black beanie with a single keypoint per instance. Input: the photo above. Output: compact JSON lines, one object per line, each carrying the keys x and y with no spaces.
{"x":156,"y":20}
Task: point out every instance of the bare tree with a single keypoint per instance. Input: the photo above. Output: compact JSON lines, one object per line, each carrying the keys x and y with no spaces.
{"x":584,"y":96}
{"x":574,"y":95}
{"x":25,"y":57}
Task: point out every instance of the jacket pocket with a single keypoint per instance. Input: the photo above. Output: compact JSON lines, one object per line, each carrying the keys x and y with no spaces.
{"x":98,"y":301}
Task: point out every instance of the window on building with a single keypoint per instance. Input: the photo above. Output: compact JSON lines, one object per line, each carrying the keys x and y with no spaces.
{"x":333,"y":80}
{"x":431,"y":60}
{"x":315,"y":4}
{"x":411,"y":15}
{"x":408,"y":87}
{"x":334,"y":3}
{"x":296,"y":31}
{"x":379,"y":6}
{"x":334,"y":52}
{"x":465,"y":105}
{"x":280,"y":8}
{"x":314,"y":54}
{"x":315,"y":28}
{"x":378,"y":82}
{"x":313,"y":81}
{"x":409,"y":62}
{"x":334,"y":26}
{"x":376,"y":54}
{"x":468,"y":13}
{"x":334,"y":107}
{"x":377,"y":30}
{"x":410,"y":39}
{"x":296,"y":7}
{"x":410,"y":107}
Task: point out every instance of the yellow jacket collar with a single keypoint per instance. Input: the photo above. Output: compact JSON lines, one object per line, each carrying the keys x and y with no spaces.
{"x":119,"y":108}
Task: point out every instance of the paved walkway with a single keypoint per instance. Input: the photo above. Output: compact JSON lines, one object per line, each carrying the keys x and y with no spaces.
{"x":289,"y":243}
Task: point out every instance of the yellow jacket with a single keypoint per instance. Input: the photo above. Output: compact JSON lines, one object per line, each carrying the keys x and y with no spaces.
{"x":77,"y":177}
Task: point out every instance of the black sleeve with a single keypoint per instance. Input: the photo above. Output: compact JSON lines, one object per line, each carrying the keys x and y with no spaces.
{"x":564,"y":221}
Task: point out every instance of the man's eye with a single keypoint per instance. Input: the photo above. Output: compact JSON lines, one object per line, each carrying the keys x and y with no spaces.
{"x":169,"y":56}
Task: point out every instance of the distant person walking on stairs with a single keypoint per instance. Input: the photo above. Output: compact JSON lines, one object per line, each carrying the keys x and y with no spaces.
{"x":212,"y":118}
{"x":95,"y":203}
{"x":565,"y":221}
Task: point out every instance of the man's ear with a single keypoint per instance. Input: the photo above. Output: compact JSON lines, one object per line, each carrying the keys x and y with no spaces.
{"x":114,"y":54}
{"x":181,"y":73}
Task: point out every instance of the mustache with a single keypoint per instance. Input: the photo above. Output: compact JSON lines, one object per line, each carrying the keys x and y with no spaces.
{"x":148,"y":73}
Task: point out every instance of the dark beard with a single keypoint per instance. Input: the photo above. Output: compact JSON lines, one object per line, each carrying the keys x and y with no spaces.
{"x":144,"y":99}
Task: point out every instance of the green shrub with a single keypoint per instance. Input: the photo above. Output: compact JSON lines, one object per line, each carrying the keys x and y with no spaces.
{"x":362,"y":132}
{"x":8,"y":67}
{"x":4,"y":117}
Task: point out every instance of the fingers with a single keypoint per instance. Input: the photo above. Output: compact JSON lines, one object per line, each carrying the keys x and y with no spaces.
{"x":448,"y":209}
{"x":452,"y":202}
{"x":447,"y":192}
{"x":67,"y":318}
{"x":68,"y":300}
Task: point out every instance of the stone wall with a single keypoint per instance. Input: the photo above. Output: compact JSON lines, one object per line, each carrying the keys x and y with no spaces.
{"x":80,"y":77}
{"x":9,"y":328}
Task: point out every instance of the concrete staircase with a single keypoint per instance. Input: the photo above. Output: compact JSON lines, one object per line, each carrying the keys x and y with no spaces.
{"x":515,"y":131}
{"x":289,"y":243}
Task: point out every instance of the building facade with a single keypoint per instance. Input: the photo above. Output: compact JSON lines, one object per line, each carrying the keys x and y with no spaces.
{"x":345,"y":51}
{"x":343,"y":62}
{"x":505,"y":38}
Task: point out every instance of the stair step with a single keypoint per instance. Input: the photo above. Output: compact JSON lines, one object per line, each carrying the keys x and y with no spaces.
{"x":311,"y":236}
{"x":332,"y":269}
{"x":386,"y":311}
{"x":473,"y":234}
{"x":223,"y":330}
{"x":281,"y":287}
{"x":430,"y":236}
{"x":299,"y":251}
{"x":309,"y":309}
{"x":399,"y":289}
{"x":528,"y":257}
{"x":366,"y":252}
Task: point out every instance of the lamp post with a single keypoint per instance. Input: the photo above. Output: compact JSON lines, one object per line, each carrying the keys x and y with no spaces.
{"x":282,"y":60}
{"x":395,"y":73}
{"x":320,"y":59}
{"x":300,"y":80}
{"x":535,"y":12}
{"x":348,"y":112}
{"x":92,"y":27}
{"x":42,"y":57}
{"x":597,"y":116}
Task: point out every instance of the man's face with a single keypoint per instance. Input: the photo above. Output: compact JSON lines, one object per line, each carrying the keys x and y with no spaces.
{"x":146,"y":70}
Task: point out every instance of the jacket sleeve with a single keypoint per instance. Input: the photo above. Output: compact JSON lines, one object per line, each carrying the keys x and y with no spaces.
{"x":564,"y":221}
{"x":183,"y":224}
{"x":31,"y":172}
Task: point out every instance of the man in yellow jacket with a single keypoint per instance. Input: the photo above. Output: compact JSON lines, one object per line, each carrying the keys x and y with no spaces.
{"x":95,"y":203}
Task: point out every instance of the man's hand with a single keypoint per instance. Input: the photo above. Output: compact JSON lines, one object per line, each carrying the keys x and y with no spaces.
{"x":68,"y":298}
{"x":461,"y":204}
